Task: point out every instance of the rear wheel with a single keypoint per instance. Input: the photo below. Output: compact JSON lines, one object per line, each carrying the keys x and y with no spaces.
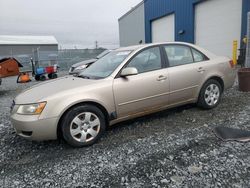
{"x":54,"y":76}
{"x":42,"y":78}
{"x":83,"y":125}
{"x":50,"y":76}
{"x":210,"y":94}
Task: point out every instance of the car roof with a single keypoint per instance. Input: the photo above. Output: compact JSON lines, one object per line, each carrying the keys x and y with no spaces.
{"x":130,"y":48}
{"x":142,"y":46}
{"x":136,"y":47}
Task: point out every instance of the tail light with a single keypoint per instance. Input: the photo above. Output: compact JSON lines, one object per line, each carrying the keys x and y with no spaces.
{"x":231,"y":63}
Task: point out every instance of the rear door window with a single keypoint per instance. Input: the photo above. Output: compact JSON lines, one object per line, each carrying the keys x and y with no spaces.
{"x":178,"y":55}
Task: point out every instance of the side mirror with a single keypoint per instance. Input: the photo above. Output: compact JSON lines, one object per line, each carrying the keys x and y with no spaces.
{"x":129,"y":71}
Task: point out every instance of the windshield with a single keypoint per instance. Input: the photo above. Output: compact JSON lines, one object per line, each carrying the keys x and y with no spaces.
{"x":105,"y":66}
{"x":103,"y":54}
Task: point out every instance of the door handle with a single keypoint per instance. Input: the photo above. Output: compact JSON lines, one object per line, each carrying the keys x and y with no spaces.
{"x":200,"y":69}
{"x":161,"y":78}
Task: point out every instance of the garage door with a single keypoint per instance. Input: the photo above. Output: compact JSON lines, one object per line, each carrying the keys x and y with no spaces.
{"x":163,"y":29}
{"x":217,"y":24}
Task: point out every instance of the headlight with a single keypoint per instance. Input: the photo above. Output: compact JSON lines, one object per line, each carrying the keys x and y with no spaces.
{"x":81,"y":67}
{"x":31,"y":109}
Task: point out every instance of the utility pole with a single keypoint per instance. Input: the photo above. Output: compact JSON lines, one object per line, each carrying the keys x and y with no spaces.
{"x":96,"y":44}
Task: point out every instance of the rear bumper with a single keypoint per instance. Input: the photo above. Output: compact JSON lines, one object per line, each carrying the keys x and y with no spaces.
{"x":230,"y":79}
{"x":33,"y":128}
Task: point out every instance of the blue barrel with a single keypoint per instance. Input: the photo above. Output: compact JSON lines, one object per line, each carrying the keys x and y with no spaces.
{"x":40,"y":71}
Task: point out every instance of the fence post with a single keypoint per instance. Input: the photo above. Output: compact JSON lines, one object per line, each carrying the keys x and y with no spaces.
{"x":235,"y":48}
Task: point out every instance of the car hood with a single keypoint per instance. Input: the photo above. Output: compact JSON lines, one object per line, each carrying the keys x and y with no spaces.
{"x":84,"y":62}
{"x":41,"y":92}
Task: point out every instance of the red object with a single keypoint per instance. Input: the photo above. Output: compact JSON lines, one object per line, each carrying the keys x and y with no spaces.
{"x":9,"y":67}
{"x":51,"y":69}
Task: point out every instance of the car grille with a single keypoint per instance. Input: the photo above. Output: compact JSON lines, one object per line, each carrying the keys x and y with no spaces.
{"x":72,"y":69}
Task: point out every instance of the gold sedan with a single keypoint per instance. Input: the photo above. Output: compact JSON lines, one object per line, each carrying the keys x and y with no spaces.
{"x":127,"y":83}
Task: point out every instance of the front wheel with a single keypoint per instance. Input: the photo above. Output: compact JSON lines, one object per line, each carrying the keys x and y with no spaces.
{"x":37,"y":77}
{"x":83,"y":125}
{"x":210,"y":94}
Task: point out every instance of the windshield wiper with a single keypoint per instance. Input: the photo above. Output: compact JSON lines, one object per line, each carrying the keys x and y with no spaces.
{"x":83,"y":76}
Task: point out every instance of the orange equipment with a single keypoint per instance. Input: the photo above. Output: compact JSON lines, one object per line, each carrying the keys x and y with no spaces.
{"x":23,"y":77}
{"x":9,"y":67}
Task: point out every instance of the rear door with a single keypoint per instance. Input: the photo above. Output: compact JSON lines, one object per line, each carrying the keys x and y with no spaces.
{"x":146,"y":91}
{"x":186,"y":70}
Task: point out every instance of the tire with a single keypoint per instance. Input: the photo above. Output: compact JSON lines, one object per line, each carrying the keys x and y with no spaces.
{"x":210,"y":94}
{"x":37,"y":77}
{"x":83,"y":125}
{"x":42,"y":78}
{"x":50,"y":76}
{"x":54,"y":76}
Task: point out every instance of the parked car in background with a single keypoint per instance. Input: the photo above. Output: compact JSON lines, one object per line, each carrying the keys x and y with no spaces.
{"x":127,"y":83}
{"x":78,"y":67}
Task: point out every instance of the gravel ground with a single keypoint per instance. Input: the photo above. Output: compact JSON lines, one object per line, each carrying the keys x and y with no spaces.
{"x":173,"y":148}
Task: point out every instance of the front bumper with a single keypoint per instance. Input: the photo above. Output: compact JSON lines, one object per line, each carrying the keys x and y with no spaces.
{"x":33,"y":128}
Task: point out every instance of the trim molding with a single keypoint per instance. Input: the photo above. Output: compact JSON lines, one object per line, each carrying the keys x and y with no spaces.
{"x":154,"y":96}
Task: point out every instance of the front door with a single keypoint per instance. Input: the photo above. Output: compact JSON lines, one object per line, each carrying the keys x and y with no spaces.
{"x":143,"y":92}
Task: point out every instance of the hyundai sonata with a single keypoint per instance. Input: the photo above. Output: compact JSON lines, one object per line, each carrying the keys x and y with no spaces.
{"x":127,"y":83}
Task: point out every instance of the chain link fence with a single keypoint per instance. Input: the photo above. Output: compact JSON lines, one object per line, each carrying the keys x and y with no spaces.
{"x":63,"y":58}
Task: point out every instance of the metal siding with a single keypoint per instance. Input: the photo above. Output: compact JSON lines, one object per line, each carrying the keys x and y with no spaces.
{"x":245,"y":10}
{"x":184,"y":16}
{"x":132,"y":27}
{"x":9,"y":50}
{"x":184,"y":21}
{"x":27,"y":40}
